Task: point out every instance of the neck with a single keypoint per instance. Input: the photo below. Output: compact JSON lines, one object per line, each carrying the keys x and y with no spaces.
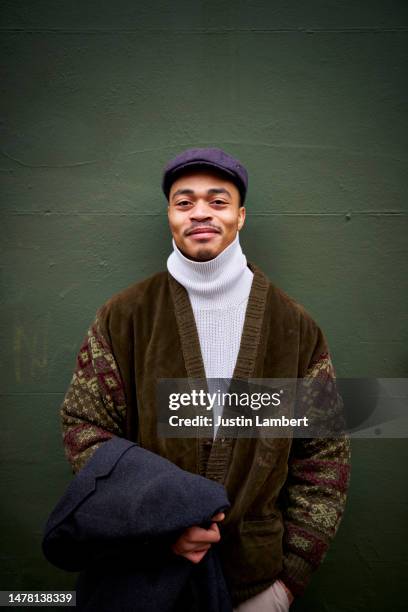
{"x":215,"y":284}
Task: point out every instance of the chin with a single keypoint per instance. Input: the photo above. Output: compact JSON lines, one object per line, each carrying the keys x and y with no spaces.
{"x":202,"y":253}
{"x":205,"y":254}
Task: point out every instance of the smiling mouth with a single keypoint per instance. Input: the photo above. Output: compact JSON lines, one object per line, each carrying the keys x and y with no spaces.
{"x":203,"y":230}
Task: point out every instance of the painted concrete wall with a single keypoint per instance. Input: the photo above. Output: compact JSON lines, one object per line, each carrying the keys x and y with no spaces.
{"x":311,"y":96}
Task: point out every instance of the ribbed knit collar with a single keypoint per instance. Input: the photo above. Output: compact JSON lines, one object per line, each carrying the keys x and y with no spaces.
{"x":219,"y":283}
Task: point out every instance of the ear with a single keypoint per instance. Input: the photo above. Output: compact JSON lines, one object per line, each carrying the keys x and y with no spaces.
{"x":241,"y":217}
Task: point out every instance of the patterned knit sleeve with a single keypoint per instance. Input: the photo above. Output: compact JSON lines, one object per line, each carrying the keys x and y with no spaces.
{"x":315,"y":491}
{"x":94,"y":406}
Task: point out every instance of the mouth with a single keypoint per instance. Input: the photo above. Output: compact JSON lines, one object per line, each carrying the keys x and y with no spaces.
{"x":202,"y":233}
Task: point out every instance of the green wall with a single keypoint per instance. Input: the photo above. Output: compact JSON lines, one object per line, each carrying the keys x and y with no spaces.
{"x":311,"y":96}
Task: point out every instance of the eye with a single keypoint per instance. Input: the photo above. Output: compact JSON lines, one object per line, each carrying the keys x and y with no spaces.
{"x":183,"y":203}
{"x":218,"y":202}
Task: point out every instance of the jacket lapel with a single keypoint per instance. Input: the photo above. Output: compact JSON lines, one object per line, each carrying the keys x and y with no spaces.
{"x":84,"y":483}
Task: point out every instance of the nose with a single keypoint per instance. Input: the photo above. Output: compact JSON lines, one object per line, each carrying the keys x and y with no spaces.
{"x":201,"y":211}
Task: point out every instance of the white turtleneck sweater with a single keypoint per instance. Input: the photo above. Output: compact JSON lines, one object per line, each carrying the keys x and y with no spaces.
{"x":218,"y":290}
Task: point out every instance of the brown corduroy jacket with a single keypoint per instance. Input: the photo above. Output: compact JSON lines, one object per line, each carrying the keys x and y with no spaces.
{"x":287,"y":496}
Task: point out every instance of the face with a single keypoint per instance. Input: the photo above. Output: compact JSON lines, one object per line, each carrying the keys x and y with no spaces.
{"x":204,"y":214}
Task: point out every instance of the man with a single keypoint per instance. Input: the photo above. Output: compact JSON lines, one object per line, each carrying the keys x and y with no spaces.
{"x":211,"y":315}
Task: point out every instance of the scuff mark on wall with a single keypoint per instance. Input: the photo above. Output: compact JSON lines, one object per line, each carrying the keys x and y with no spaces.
{"x":30,"y":349}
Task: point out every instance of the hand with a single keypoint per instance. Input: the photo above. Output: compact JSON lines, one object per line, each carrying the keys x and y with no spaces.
{"x":287,"y":591}
{"x":276,"y":598}
{"x":194,"y":542}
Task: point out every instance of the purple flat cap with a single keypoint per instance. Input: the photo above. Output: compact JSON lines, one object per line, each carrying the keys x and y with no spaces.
{"x":202,"y":158}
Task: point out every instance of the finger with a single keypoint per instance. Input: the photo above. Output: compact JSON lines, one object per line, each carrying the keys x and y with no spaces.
{"x":201,"y":538}
{"x":195,"y":557}
{"x":213,"y":533}
{"x":211,"y":537}
{"x":218,"y":517}
{"x":197,"y":535}
{"x":184,"y":547}
{"x":180,"y":548}
{"x":202,"y":548}
{"x":214,"y":530}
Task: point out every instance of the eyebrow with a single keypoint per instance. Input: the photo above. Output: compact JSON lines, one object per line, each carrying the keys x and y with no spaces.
{"x":214,"y":190}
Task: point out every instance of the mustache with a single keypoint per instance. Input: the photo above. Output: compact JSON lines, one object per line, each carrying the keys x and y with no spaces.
{"x":206,"y":225}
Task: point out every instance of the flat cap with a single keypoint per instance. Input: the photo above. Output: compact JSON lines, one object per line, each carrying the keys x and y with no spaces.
{"x":206,"y":158}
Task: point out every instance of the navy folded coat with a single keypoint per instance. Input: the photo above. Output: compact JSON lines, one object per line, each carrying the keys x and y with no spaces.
{"x":115,"y":524}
